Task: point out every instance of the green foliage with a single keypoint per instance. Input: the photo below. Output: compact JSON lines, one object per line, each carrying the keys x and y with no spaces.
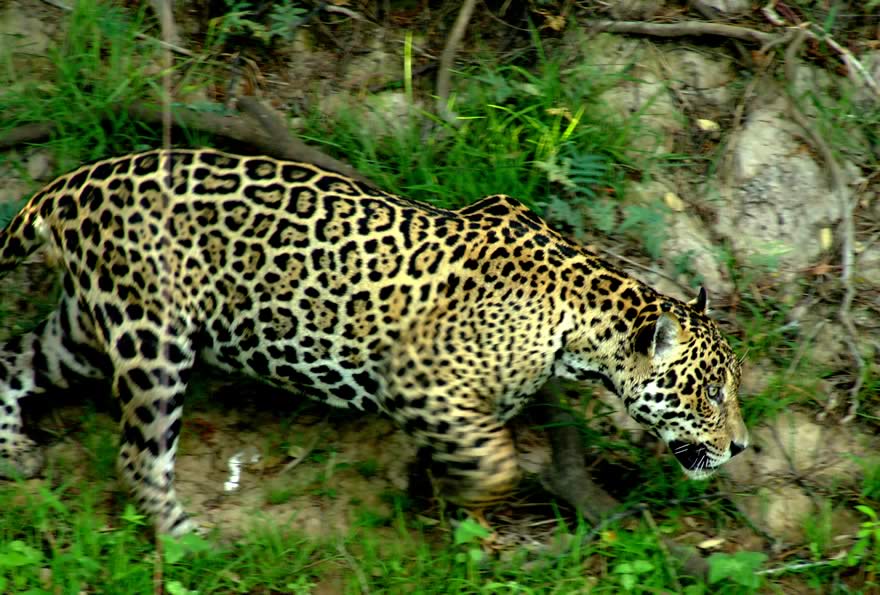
{"x":15,"y":558}
{"x":524,"y":133}
{"x":471,"y":534}
{"x":630,"y":573}
{"x":516,"y":132}
{"x":176,"y":549}
{"x":241,"y":19}
{"x":866,"y":550}
{"x":276,"y":495}
{"x":870,"y":479}
{"x":96,"y":71}
{"x":739,"y":568}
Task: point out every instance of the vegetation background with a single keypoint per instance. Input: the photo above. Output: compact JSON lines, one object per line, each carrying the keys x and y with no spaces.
{"x":519,"y":104}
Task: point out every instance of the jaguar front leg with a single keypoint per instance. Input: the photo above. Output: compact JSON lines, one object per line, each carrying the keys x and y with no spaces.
{"x":472,"y":451}
{"x":150,"y":378}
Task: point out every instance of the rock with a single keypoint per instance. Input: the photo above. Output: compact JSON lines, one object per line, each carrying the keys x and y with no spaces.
{"x":828,"y":348}
{"x":636,"y":10}
{"x":376,"y":67}
{"x":644,"y":90}
{"x":722,"y":8}
{"x":870,"y":59}
{"x":380,"y":115}
{"x":868,"y":265}
{"x":39,"y":166}
{"x":21,"y":32}
{"x":788,"y":459}
{"x":688,"y":245}
{"x":703,"y":80}
{"x":778,"y":201}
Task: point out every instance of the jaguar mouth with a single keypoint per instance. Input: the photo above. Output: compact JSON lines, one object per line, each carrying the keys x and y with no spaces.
{"x":694,"y":458}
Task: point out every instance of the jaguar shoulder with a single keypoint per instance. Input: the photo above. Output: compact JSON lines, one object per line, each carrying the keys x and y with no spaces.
{"x":446,"y":320}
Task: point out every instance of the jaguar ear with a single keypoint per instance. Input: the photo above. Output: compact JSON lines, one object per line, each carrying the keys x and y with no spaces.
{"x":701,"y":302}
{"x":657,"y":339}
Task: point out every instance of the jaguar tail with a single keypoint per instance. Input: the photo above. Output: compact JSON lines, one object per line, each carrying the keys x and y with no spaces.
{"x":25,"y":233}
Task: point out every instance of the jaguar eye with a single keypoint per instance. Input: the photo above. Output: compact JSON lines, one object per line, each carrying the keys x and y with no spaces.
{"x":714,"y":392}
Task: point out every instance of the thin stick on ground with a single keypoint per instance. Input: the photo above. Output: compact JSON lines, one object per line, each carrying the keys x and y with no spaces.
{"x":352,"y":563}
{"x":444,"y":70}
{"x":683,"y":28}
{"x":158,"y":568}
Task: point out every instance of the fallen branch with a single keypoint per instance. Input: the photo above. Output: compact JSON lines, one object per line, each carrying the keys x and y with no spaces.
{"x":796,"y":566}
{"x":287,"y":146}
{"x":683,"y":28}
{"x":817,"y":33}
{"x":268,"y":133}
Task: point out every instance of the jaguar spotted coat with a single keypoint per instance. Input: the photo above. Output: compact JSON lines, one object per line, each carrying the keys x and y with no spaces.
{"x":445,"y":320}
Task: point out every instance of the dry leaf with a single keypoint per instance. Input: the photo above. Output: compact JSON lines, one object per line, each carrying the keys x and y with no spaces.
{"x":673,"y":201}
{"x":712,"y":543}
{"x":708,"y":125}
{"x":826,"y":238}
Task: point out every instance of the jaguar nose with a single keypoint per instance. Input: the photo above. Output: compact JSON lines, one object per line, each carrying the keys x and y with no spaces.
{"x":736,"y":448}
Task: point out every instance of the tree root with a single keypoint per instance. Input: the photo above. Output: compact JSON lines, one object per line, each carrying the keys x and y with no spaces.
{"x":839,"y":192}
{"x":269,"y":134}
{"x":568,"y":479}
{"x":684,"y":28}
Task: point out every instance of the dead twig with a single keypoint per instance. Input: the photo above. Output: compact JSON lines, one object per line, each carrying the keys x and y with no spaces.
{"x":796,"y":566}
{"x":344,"y":11}
{"x":847,"y":228}
{"x":158,"y":568}
{"x":166,"y":45}
{"x":165,"y":11}
{"x":444,"y":70}
{"x":58,"y":4}
{"x":683,"y":28}
{"x":305,"y":453}
{"x":817,"y":33}
{"x":352,"y":563}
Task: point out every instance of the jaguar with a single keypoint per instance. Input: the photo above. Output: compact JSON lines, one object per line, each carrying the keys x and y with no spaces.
{"x":448,"y":321}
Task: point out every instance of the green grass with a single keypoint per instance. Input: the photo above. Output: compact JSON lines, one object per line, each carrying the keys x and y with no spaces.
{"x":93,"y":74}
{"x":524,"y":132}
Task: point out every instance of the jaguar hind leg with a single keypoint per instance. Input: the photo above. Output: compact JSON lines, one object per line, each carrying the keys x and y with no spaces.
{"x":150,"y":378}
{"x":59,"y":351}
